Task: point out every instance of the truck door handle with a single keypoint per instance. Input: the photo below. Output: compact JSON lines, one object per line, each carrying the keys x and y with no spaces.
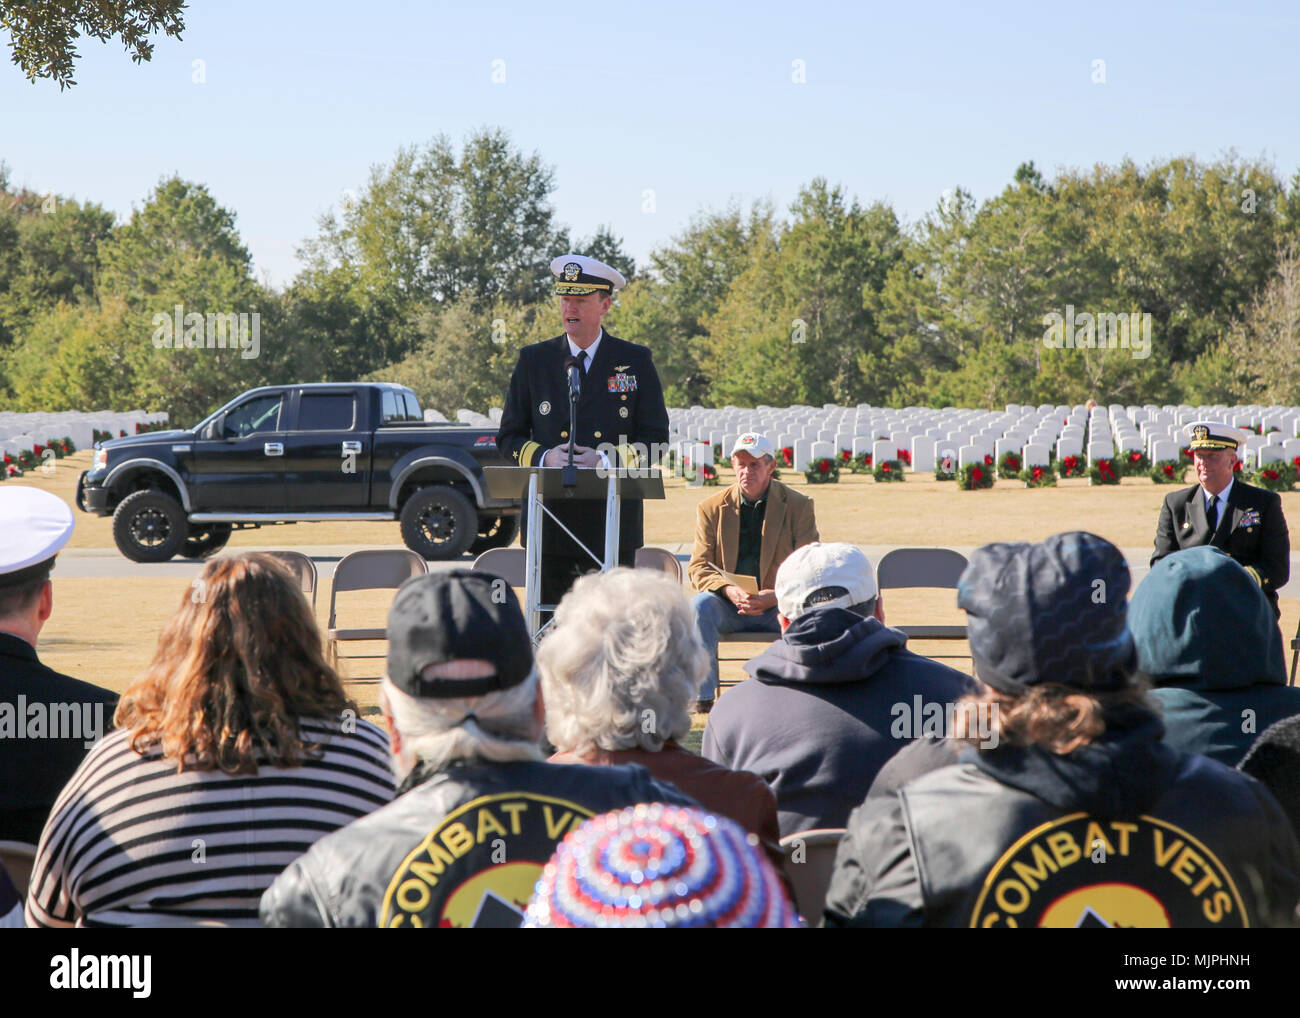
{"x":273,"y":448}
{"x":351,"y":446}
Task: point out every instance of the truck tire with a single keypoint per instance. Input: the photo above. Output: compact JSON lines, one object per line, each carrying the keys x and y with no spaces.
{"x":494,"y":532}
{"x":205,"y":539}
{"x":149,"y":526}
{"x":438,"y":522}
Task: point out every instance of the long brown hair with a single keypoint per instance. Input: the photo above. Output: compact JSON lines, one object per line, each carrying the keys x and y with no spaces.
{"x":1051,"y":716}
{"x":235,"y":668}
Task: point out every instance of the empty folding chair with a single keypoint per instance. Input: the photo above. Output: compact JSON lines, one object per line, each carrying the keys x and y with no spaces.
{"x":303,"y":568}
{"x":508,"y":563}
{"x":923,"y":567}
{"x":385,"y":569}
{"x":661,"y":559}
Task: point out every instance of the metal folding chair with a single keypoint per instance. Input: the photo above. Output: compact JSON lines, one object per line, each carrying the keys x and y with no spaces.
{"x":385,"y":569}
{"x":509,"y":563}
{"x":809,"y":865}
{"x":661,"y":559}
{"x":303,"y":568}
{"x":923,"y":567}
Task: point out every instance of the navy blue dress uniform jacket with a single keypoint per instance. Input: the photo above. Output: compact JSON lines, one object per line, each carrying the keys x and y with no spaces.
{"x":35,"y":764}
{"x":1261,"y":544}
{"x":621,"y":406}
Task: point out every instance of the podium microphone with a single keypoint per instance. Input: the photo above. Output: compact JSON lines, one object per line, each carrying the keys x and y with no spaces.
{"x":569,"y":473}
{"x":575,"y":378}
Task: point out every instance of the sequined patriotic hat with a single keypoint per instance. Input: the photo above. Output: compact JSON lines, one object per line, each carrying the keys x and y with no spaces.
{"x":654,"y":865}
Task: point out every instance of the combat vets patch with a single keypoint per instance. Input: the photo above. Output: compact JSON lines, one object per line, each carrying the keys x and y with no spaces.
{"x":479,"y":866}
{"x":544,"y":407}
{"x":621,"y":382}
{"x":1080,"y":871}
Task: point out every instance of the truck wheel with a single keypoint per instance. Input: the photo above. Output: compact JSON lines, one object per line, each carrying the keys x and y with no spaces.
{"x":494,"y":532}
{"x":205,"y":539}
{"x":149,"y":526}
{"x":438,"y":522}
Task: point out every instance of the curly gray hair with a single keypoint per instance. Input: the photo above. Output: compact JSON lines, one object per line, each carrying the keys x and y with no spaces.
{"x":623,"y":665}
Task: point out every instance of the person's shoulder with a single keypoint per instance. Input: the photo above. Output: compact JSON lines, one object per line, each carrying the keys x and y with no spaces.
{"x":915,"y":760}
{"x":606,"y":787}
{"x":713,"y":503}
{"x":1182,"y":495}
{"x":738,"y":781}
{"x":44,"y":682}
{"x":543,"y":348}
{"x":1250,"y":494}
{"x":928,"y":669}
{"x":792,"y":497}
{"x":1203,"y":778}
{"x":349,"y":734}
{"x":629,"y":349}
{"x":957,"y":775}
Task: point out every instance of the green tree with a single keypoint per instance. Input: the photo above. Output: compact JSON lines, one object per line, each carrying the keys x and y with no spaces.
{"x":181,"y":250}
{"x":75,"y":357}
{"x":431,"y":229}
{"x":689,"y":278}
{"x":435,"y":225}
{"x":1259,"y":361}
{"x":52,"y":248}
{"x":797,"y":322}
{"x":42,"y":35}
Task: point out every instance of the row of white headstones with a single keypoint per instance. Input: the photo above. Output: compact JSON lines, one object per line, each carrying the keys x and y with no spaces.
{"x":930,"y":435}
{"x":24,"y":432}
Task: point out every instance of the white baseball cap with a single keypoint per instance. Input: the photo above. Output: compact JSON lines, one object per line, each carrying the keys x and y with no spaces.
{"x":753,"y":443}
{"x":831,"y":575}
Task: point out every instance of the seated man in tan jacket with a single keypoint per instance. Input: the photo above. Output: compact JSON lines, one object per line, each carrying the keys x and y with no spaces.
{"x":747,"y":530}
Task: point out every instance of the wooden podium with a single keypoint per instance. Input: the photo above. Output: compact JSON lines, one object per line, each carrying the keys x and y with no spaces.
{"x":538,"y":485}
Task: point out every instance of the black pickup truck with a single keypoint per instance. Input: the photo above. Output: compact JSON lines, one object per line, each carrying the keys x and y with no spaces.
{"x":292,"y":453}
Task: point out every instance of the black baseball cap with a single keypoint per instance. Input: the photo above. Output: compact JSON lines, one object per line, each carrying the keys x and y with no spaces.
{"x":456,"y":615}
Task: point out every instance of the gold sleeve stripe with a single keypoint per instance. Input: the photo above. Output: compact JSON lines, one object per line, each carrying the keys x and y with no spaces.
{"x":529,"y":452}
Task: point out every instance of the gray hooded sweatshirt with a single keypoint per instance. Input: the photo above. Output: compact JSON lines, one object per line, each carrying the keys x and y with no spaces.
{"x":825,"y":707}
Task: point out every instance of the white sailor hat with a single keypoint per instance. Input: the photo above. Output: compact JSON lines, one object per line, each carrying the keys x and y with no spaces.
{"x":1214,"y":435}
{"x":34,"y":526}
{"x":576,"y":275}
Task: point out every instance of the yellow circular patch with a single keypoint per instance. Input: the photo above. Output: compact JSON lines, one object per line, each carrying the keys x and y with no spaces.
{"x":1080,"y":871}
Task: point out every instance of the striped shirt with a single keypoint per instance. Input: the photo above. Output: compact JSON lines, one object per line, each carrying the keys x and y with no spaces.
{"x":130,"y":842}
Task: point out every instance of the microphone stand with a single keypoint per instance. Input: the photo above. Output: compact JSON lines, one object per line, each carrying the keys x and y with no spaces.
{"x":569,"y":473}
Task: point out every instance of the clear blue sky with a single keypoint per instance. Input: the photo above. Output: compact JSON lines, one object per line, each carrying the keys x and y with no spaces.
{"x":900,"y":102}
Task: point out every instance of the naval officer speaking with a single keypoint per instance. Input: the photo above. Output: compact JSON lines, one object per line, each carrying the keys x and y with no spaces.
{"x":620,"y":407}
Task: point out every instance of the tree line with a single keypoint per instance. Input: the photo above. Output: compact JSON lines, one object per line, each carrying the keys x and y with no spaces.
{"x":436,"y":272}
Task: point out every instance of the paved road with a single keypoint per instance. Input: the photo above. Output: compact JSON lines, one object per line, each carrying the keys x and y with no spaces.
{"x":108,"y":563}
